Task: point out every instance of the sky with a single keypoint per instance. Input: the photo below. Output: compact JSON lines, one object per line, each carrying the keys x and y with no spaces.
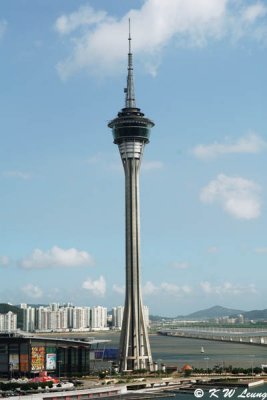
{"x":200,"y":75}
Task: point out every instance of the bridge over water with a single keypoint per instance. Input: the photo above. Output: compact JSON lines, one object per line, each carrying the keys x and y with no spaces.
{"x":252,"y":336}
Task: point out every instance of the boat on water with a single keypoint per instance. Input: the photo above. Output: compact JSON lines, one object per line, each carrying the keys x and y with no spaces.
{"x":202,"y":350}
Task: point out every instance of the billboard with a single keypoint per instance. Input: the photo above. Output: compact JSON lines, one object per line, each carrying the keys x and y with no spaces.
{"x":51,"y":361}
{"x":38,"y":358}
{"x":24,"y":363}
{"x":111,"y":354}
{"x":106,"y":354}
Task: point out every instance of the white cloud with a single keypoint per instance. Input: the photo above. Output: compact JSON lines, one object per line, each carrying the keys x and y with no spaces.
{"x":213,"y":250}
{"x":173,"y":289}
{"x":227,"y":288}
{"x":149,"y":288}
{"x":166,"y":288}
{"x":253,"y":12}
{"x":85,"y":16}
{"x":102,"y":46}
{"x":181,"y":265}
{"x":118,"y":289}
{"x":32,"y":291}
{"x":249,"y":144}
{"x":4,"y":261}
{"x":151,"y":165}
{"x":249,"y":21}
{"x":99,"y":44}
{"x":186,"y":289}
{"x":170,"y":288}
{"x":239,"y":197}
{"x":17,"y":174}
{"x":3,"y":27}
{"x":56,"y":257}
{"x":261,"y":250}
{"x":97,"y":287}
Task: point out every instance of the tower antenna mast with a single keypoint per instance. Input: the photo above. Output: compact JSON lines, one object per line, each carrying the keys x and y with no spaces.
{"x":130,"y":96}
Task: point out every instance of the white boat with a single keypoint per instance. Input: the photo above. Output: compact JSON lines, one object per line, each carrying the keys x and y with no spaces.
{"x":202,"y":350}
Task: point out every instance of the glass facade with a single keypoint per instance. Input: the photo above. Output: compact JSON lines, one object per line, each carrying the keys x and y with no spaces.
{"x":20,"y":357}
{"x":130,"y":123}
{"x":130,"y":132}
{"x":3,"y":357}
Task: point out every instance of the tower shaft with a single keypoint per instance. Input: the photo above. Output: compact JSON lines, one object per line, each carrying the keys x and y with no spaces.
{"x":135,"y":350}
{"x":131,"y":131}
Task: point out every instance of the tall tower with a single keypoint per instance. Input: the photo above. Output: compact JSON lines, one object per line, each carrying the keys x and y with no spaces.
{"x":131,"y":131}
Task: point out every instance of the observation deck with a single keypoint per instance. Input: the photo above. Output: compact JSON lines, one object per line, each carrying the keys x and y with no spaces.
{"x":131,"y":124}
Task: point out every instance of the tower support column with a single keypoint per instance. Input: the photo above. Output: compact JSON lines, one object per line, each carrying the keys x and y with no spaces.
{"x":135,"y":350}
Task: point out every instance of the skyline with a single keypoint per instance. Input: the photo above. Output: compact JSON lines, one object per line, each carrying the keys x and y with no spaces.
{"x":203,"y":197}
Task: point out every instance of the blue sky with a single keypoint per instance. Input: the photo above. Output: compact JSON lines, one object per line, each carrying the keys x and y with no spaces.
{"x":200,"y":74}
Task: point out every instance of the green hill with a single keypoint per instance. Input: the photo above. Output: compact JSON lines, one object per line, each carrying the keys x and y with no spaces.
{"x":214,"y":312}
{"x":256,"y":314}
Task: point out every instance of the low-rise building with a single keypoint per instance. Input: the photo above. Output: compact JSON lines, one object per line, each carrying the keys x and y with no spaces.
{"x":23,"y":354}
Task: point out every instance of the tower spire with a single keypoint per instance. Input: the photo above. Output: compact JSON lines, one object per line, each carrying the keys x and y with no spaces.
{"x":130,"y":96}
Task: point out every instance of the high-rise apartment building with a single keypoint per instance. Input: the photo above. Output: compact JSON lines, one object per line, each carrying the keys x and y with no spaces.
{"x":146,"y":316}
{"x":99,"y":317}
{"x":117,"y":317}
{"x":81,"y":318}
{"x":8,"y":322}
{"x":42,"y":319}
{"x":56,"y":317}
{"x":29,"y":318}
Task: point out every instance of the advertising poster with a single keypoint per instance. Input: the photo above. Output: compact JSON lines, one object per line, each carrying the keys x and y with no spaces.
{"x":24,"y":363}
{"x":51,"y":361}
{"x":14,"y":361}
{"x":38,"y":358}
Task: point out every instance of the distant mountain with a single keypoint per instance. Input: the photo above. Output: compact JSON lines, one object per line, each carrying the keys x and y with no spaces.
{"x":255,"y":314}
{"x":213,"y":312}
{"x":5,"y":308}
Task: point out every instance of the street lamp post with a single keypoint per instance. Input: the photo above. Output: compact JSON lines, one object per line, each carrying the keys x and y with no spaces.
{"x":159,"y":362}
{"x":222,"y":367}
{"x":252,"y":364}
{"x":59,"y":363}
{"x":11,"y":370}
{"x":207,"y":363}
{"x":110,"y":367}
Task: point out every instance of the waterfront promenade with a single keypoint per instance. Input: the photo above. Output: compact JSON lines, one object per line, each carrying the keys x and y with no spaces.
{"x":148,"y":387}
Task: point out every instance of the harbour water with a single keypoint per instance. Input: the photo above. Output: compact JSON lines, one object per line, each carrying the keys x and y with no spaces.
{"x":179,"y":351}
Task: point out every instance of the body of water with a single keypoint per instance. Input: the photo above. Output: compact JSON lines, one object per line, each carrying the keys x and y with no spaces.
{"x":179,"y":351}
